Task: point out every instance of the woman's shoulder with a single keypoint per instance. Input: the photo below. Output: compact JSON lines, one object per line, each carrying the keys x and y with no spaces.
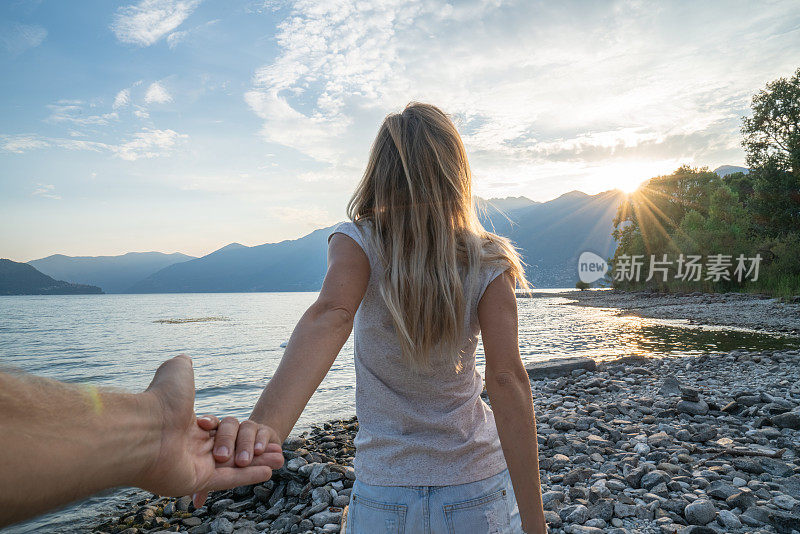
{"x":357,"y":231}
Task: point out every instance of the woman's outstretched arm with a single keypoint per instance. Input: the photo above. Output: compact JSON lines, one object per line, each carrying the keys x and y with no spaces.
{"x":316,"y":341}
{"x":510,"y":393}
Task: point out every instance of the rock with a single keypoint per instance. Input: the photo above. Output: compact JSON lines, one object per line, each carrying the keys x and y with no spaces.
{"x":262,"y":493}
{"x":581,"y":529}
{"x":784,"y":501}
{"x":222,"y":526}
{"x":651,"y":479}
{"x":689,"y":393}
{"x":791,"y":486}
{"x":292,"y":444}
{"x":776,"y":467}
{"x":221,"y":505}
{"x":728,"y":519}
{"x":191,"y":521}
{"x":670,"y":386}
{"x":332,"y":515}
{"x":700,"y":512}
{"x":183,"y":503}
{"x":549,"y":498}
{"x":624,"y":510}
{"x":692,"y":407}
{"x":785,"y":523}
{"x":558,"y":367}
{"x":579,"y":514}
{"x":553,"y":519}
{"x":721,"y":490}
{"x":742,"y":500}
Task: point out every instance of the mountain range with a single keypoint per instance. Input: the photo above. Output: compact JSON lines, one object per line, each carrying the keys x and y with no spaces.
{"x":115,"y":274}
{"x":550,"y":236}
{"x":23,"y":279}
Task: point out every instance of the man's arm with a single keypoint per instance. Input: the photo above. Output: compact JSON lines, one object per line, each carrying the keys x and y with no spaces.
{"x":509,"y":390}
{"x":63,"y":442}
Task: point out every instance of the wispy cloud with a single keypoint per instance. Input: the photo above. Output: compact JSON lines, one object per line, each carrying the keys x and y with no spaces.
{"x":46,"y":191}
{"x":531,"y":85}
{"x":122,"y":99}
{"x":77,"y":112}
{"x":146,"y":144}
{"x":15,"y":38}
{"x":157,"y":94}
{"x":145,"y":23}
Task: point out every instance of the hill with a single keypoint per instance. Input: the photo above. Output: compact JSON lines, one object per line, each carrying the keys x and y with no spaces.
{"x":115,"y":274}
{"x":292,"y":265}
{"x":725,"y":170}
{"x":551,"y":236}
{"x":23,"y":279}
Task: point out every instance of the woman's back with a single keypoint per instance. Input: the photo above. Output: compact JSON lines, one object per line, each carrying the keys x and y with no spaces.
{"x":418,"y":427}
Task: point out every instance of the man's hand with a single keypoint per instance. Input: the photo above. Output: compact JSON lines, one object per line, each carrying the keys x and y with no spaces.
{"x":185,"y":464}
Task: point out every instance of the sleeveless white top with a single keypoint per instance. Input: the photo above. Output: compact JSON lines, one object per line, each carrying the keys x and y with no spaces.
{"x":428,"y":428}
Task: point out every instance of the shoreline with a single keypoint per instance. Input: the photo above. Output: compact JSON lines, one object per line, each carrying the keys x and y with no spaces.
{"x":739,"y":310}
{"x":697,"y":444}
{"x":688,"y":445}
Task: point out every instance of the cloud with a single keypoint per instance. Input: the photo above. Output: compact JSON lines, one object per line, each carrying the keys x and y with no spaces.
{"x":157,"y":94}
{"x":145,"y":23}
{"x":19,"y":144}
{"x":16,"y":38}
{"x":76,"y":112}
{"x":122,"y":99}
{"x":46,"y":191}
{"x":146,"y":144}
{"x":530,"y":84}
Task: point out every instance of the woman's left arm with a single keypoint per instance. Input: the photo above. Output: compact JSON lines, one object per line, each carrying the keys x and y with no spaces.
{"x":315,"y":342}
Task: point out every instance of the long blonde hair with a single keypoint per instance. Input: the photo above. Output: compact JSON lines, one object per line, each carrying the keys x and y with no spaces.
{"x":416,"y":196}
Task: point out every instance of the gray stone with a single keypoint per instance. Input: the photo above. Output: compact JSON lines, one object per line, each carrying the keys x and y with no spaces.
{"x":332,"y":515}
{"x":692,"y":407}
{"x":222,"y":526}
{"x":700,"y":512}
{"x":624,"y":510}
{"x":787,"y":420}
{"x":183,"y":503}
{"x":721,"y":490}
{"x":558,"y":367}
{"x":221,"y":505}
{"x":728,"y":519}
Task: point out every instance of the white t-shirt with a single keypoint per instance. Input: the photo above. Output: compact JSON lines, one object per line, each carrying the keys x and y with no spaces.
{"x":418,"y":428}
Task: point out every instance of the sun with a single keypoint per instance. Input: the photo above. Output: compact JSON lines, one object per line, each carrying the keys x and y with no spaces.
{"x":631,"y":184}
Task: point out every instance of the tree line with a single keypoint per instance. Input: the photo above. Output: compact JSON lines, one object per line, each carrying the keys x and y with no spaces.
{"x":740,"y":231}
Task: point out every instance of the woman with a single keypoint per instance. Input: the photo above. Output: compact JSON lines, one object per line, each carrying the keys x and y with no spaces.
{"x":420,"y":278}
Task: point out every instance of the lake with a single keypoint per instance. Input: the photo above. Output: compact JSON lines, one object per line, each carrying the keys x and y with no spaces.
{"x":235,"y":341}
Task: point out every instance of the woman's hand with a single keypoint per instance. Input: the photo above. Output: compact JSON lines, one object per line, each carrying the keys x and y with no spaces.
{"x":184,"y":462}
{"x":240,"y":442}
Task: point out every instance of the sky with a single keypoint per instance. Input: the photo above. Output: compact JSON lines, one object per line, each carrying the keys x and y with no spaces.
{"x":185,"y":125}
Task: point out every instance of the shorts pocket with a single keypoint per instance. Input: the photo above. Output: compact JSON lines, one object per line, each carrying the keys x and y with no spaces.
{"x":484,"y":515}
{"x":367,"y":516}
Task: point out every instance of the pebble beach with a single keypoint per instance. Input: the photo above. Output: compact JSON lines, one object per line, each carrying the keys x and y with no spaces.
{"x":690,"y":445}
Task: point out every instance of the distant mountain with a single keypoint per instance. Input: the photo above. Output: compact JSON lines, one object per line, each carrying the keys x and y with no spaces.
{"x":725,"y":170}
{"x":23,"y":279}
{"x":293,"y":265}
{"x":507,"y":204}
{"x":551,"y":236}
{"x":115,"y":274}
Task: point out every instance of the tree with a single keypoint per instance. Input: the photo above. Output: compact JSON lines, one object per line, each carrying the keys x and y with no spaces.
{"x":772,"y":145}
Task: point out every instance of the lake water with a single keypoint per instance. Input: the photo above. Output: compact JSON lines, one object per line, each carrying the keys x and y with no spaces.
{"x":235,"y":341}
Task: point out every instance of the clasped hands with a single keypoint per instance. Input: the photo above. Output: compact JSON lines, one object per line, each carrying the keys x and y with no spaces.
{"x":199,"y":455}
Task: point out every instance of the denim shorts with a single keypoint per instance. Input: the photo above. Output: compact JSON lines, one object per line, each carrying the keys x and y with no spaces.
{"x":487,"y":506}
